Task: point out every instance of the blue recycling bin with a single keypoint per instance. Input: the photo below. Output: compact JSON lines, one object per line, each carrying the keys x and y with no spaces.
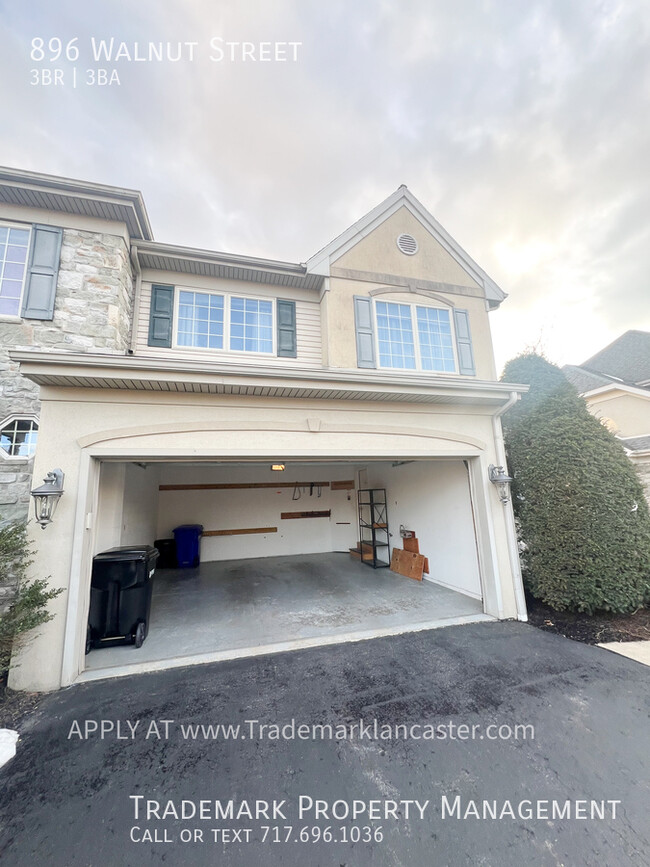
{"x":188,"y":540}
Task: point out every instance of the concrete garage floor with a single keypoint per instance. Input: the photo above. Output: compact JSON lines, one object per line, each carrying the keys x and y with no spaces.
{"x":245,"y":607}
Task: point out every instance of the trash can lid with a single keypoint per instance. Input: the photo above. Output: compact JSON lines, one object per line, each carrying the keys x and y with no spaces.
{"x":198,"y":527}
{"x":130,"y":552}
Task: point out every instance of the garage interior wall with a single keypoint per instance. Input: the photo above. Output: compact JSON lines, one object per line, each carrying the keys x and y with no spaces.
{"x":433,"y":499}
{"x":250,"y":508}
{"x":127,"y":509}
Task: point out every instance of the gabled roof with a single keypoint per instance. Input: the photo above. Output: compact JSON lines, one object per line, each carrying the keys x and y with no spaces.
{"x":402,"y":197}
{"x":627,"y":358}
{"x":584,"y":380}
{"x":33,"y":190}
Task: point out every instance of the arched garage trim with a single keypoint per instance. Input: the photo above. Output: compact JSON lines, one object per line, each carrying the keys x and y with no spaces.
{"x":111,"y":436}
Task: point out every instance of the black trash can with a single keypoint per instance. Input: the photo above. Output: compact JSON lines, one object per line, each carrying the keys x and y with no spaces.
{"x":167,"y":550}
{"x":120,"y":596}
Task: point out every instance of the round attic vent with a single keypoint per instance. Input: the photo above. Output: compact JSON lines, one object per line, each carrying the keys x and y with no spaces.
{"x":407,"y":244}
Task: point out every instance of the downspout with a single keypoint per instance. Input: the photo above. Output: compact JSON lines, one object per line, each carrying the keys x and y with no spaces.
{"x":511,"y":530}
{"x":135,"y":318}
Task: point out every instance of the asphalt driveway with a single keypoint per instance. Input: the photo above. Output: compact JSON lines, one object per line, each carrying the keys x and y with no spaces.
{"x":574,"y":792}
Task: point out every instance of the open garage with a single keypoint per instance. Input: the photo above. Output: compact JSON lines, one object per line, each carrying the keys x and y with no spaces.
{"x":162,"y":448}
{"x":276,"y":570}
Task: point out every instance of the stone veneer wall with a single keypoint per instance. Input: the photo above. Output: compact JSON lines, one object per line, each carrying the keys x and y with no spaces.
{"x":93,"y":311}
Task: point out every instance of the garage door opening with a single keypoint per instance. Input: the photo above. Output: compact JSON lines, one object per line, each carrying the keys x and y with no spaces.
{"x":276,"y":571}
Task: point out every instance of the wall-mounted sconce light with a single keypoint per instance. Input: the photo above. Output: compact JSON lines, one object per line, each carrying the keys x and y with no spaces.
{"x":46,"y":498}
{"x":500,"y":478}
{"x":277,"y":467}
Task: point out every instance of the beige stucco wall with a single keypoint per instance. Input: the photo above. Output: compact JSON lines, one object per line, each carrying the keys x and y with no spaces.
{"x":630,"y":413}
{"x":168,"y":426}
{"x":378,"y":251}
{"x":339,"y":315}
{"x":376,"y":263}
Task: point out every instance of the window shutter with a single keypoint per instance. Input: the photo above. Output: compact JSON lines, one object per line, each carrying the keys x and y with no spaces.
{"x":364,"y":329}
{"x":161,"y":315}
{"x":464,"y":343}
{"x":42,"y":272}
{"x":286,"y":318}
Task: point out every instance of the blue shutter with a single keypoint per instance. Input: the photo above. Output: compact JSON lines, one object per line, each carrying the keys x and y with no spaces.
{"x":464,"y":343}
{"x":286,"y":323}
{"x":42,"y":272}
{"x":161,"y":315}
{"x":364,"y":329}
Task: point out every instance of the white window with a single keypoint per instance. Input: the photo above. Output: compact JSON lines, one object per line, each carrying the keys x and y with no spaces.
{"x":14,"y":247}
{"x":413,"y":337}
{"x":251,"y":325}
{"x":18,"y":437}
{"x":209,"y":321}
{"x":200,"y":320}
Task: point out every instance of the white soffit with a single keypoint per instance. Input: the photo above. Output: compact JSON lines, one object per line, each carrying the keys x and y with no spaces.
{"x":35,"y":190}
{"x":133,"y":373}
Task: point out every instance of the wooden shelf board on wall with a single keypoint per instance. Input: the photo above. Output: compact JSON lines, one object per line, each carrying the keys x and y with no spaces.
{"x":243,"y":532}
{"x":323,"y":514}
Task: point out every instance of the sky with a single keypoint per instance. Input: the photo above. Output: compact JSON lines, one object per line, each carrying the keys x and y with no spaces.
{"x":523,"y":127}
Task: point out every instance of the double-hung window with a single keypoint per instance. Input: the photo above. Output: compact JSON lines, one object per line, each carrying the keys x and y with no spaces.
{"x":14,"y":248}
{"x":209,"y":321}
{"x":413,"y":337}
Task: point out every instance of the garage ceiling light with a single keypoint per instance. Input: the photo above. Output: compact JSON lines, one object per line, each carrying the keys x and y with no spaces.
{"x":277,"y":467}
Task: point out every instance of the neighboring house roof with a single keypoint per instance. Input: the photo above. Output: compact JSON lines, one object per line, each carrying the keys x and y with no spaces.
{"x":32,"y":190}
{"x":402,"y":197}
{"x":584,"y":380}
{"x":636,"y":444}
{"x":627,"y":358}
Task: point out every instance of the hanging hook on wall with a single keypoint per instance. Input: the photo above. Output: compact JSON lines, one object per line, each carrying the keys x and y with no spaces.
{"x":296,"y":493}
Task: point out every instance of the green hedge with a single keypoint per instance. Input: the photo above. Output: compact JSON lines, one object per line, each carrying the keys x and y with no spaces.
{"x":23,"y":605}
{"x":582,"y":516}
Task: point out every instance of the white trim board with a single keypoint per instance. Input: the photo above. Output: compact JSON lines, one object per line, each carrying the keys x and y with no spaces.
{"x":402,"y":197}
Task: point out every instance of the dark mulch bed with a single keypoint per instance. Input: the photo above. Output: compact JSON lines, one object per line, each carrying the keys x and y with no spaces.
{"x":16,"y":706}
{"x":591,"y":628}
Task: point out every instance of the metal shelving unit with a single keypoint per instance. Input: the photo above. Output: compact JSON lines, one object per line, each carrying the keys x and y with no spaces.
{"x":373,"y":527}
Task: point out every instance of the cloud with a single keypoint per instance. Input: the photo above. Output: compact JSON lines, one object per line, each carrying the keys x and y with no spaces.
{"x":522,"y":127}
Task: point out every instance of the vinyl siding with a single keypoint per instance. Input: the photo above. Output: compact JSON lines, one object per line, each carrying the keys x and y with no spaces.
{"x":308,"y":328}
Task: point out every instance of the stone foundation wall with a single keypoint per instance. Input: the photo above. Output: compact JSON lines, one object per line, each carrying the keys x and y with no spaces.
{"x":93,"y":311}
